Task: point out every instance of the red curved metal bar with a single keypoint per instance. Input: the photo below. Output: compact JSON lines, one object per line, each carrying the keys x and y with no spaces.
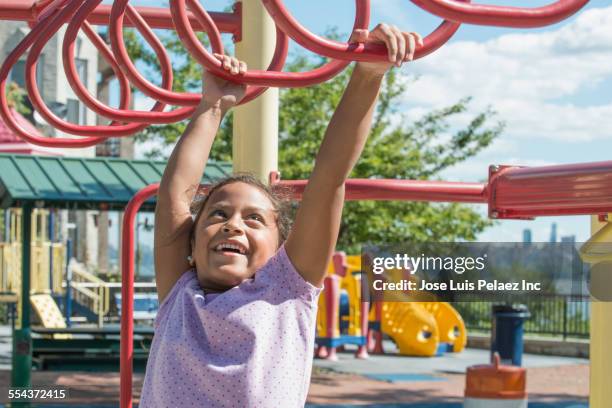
{"x":118,"y":10}
{"x":252,"y":77}
{"x":346,"y":51}
{"x":502,"y":16}
{"x":31,"y":84}
{"x":118,"y":45}
{"x":11,"y":60}
{"x":127,"y":293}
{"x":123,"y":114}
{"x":81,"y":91}
{"x":50,"y":15}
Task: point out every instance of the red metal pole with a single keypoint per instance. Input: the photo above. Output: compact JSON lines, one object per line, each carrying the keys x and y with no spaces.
{"x":410,"y":190}
{"x":158,"y":17}
{"x":20,"y":10}
{"x":332,"y":301}
{"x":127,"y":292}
{"x":155,"y":17}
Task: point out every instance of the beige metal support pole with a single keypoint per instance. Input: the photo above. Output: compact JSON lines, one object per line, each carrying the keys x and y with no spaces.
{"x":601,"y":335}
{"x":255,"y":144}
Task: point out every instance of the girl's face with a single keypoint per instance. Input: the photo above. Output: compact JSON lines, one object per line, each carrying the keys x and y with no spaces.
{"x":235,"y":235}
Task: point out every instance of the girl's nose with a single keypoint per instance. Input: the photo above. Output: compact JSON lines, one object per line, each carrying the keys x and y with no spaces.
{"x":231,"y":226}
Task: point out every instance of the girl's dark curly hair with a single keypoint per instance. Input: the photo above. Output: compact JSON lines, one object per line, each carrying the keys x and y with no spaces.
{"x":278,"y":196}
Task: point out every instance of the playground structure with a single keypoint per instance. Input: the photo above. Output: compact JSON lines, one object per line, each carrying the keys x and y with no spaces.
{"x":49,"y":265}
{"x":418,"y":328}
{"x":74,"y":328}
{"x":510,"y":193}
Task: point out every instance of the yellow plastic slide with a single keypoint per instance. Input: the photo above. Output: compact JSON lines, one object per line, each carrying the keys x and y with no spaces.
{"x":413,"y":329}
{"x":419,"y":327}
{"x":450,"y":324}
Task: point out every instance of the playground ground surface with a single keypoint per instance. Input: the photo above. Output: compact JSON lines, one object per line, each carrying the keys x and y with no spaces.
{"x":388,"y":381}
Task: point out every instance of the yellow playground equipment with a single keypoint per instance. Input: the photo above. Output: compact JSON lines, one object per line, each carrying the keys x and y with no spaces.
{"x":342,"y":318}
{"x":417,"y":328}
{"x":48,"y":260}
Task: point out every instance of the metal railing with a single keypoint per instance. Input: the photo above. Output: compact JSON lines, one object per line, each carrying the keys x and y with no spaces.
{"x":551,"y":315}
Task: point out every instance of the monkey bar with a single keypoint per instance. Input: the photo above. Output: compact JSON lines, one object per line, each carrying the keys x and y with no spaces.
{"x":501,"y":16}
{"x":188,"y":17}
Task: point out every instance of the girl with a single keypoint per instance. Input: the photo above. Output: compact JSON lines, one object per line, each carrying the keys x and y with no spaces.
{"x":237,"y":328}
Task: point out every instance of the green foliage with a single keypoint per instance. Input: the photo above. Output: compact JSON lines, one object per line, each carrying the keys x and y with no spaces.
{"x":393,"y":150}
{"x":16,"y":98}
{"x":418,"y":150}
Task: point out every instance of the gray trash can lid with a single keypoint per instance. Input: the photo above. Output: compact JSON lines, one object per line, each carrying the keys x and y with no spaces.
{"x":506,"y":308}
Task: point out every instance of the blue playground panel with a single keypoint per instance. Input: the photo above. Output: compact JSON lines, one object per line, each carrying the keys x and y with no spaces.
{"x":394,"y":378}
{"x":340,"y":341}
{"x":444,"y":348}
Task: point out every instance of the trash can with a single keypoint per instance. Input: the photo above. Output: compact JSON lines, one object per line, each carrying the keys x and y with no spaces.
{"x":507,"y":332}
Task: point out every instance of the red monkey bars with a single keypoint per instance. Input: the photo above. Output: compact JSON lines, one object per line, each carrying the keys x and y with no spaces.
{"x":188,"y":16}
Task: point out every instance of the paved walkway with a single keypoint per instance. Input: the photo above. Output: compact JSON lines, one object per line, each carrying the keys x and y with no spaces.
{"x":388,"y":381}
{"x":396,"y":381}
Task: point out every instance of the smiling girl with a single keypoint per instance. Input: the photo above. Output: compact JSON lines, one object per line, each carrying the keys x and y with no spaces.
{"x":237,"y":287}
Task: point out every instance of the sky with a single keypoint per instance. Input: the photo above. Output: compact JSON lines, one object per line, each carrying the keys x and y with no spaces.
{"x":551,"y":86}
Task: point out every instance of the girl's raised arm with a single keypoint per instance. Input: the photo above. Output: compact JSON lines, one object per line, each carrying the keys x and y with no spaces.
{"x":313,"y":238}
{"x":183,"y":173}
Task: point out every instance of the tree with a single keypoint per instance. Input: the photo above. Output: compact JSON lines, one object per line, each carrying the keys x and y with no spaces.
{"x":394,"y":150}
{"x":17,"y":99}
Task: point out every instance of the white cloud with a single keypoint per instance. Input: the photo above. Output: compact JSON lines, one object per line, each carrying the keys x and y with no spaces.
{"x":530,"y":79}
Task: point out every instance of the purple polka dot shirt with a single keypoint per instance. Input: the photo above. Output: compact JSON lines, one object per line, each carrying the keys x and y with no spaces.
{"x":251,"y":346}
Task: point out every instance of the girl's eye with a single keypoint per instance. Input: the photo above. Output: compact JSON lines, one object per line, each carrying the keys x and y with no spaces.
{"x":256,"y":217}
{"x":218,"y":213}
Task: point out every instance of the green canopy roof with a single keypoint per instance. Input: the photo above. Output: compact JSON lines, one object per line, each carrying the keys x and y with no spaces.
{"x":77,"y":183}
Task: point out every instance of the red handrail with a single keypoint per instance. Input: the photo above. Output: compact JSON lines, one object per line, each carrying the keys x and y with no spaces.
{"x":502,"y":16}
